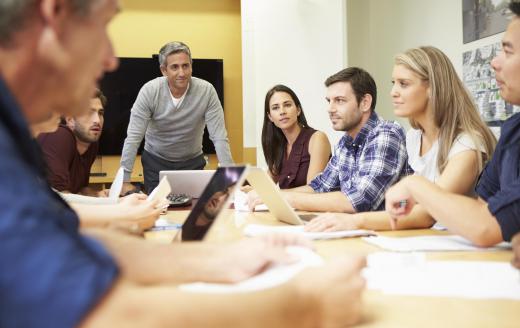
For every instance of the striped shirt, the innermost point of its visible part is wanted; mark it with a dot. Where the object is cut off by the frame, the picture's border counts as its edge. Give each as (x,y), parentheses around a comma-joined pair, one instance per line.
(364,167)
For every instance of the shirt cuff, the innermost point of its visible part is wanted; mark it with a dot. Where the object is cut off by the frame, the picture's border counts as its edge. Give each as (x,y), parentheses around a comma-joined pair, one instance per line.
(315,185)
(127,176)
(507,218)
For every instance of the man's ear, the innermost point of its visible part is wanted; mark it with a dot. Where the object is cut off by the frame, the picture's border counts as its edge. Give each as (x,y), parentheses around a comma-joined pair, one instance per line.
(53,14)
(163,70)
(71,123)
(366,102)
(51,10)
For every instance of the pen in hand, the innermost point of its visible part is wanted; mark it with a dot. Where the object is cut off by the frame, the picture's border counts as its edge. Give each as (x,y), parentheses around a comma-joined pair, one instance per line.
(402,205)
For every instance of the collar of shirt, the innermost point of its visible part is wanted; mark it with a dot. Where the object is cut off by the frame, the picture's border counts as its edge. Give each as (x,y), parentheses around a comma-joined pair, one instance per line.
(359,141)
(178,101)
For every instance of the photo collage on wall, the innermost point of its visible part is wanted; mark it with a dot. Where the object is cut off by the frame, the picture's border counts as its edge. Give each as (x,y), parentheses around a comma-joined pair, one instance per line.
(479,78)
(483,18)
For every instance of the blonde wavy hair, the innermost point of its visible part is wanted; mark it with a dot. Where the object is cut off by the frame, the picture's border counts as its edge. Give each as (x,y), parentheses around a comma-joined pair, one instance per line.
(454,111)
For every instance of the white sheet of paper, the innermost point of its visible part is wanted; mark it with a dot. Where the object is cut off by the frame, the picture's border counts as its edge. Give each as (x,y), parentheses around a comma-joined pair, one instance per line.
(160,192)
(259,229)
(117,185)
(240,203)
(273,276)
(404,274)
(113,195)
(82,199)
(429,243)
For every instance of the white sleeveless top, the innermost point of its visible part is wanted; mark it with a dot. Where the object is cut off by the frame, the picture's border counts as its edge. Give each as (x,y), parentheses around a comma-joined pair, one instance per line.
(426,165)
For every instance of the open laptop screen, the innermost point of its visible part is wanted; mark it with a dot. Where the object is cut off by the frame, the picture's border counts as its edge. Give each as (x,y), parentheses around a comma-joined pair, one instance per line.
(212,201)
(188,182)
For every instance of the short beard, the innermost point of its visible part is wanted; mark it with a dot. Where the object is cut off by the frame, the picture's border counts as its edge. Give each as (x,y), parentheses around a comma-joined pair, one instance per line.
(347,126)
(83,136)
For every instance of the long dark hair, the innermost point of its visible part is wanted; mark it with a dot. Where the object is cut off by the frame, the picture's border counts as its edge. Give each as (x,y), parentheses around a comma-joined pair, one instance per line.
(273,139)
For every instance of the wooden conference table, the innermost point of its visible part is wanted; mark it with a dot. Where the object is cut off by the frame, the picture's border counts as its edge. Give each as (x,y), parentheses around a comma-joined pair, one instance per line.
(382,310)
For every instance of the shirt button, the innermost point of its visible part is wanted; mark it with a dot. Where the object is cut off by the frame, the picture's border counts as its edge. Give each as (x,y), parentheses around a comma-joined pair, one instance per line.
(288,177)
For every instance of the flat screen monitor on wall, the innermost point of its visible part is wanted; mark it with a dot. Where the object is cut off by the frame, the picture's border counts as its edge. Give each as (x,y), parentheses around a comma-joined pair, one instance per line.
(122,86)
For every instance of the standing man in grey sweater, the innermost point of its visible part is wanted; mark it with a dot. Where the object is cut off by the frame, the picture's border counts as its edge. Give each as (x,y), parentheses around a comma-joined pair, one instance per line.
(171,111)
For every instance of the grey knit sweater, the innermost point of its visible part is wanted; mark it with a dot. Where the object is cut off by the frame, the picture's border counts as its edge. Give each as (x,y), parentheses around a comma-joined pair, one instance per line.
(175,133)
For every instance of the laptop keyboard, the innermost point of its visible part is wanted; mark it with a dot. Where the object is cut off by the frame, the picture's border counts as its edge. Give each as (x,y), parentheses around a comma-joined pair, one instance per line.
(179,200)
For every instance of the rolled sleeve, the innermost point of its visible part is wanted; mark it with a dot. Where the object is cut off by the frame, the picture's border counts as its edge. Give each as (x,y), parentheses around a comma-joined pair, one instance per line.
(502,193)
(382,166)
(508,219)
(488,182)
(505,206)
(328,180)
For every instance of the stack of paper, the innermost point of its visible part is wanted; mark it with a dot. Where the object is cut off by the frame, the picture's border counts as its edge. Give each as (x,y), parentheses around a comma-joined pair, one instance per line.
(253,230)
(429,243)
(414,275)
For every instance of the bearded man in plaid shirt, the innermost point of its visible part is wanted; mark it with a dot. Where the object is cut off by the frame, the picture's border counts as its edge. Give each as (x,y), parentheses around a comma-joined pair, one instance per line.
(368,159)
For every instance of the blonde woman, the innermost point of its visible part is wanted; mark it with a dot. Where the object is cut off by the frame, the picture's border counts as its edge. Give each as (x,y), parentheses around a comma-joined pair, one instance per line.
(448,143)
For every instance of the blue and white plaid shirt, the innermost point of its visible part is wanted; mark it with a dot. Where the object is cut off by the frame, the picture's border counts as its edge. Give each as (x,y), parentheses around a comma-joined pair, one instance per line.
(365,167)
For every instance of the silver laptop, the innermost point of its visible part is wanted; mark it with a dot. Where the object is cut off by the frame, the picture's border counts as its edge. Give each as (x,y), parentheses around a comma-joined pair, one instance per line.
(272,197)
(188,182)
(215,197)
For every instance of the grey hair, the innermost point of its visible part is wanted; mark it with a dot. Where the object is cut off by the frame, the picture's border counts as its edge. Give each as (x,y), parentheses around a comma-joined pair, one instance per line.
(15,13)
(12,17)
(173,48)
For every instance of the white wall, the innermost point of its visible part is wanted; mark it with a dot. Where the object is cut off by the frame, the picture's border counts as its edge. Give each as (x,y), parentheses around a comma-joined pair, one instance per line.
(294,42)
(301,42)
(379,29)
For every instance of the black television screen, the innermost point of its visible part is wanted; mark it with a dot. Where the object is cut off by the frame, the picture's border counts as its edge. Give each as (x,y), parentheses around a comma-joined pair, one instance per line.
(122,86)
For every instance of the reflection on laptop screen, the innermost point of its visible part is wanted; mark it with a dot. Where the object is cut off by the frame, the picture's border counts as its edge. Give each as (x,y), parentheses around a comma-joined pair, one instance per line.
(211,202)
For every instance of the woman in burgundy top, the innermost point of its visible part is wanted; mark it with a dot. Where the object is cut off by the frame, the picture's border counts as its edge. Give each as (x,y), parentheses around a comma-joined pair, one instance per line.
(295,153)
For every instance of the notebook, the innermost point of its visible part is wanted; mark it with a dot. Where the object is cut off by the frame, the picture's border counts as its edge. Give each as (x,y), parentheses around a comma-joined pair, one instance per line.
(272,197)
(188,182)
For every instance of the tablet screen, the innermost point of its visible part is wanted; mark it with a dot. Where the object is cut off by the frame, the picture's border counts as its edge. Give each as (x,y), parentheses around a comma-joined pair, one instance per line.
(211,202)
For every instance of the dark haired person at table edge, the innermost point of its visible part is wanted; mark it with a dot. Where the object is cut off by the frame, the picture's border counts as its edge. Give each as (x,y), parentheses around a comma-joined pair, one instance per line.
(294,152)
